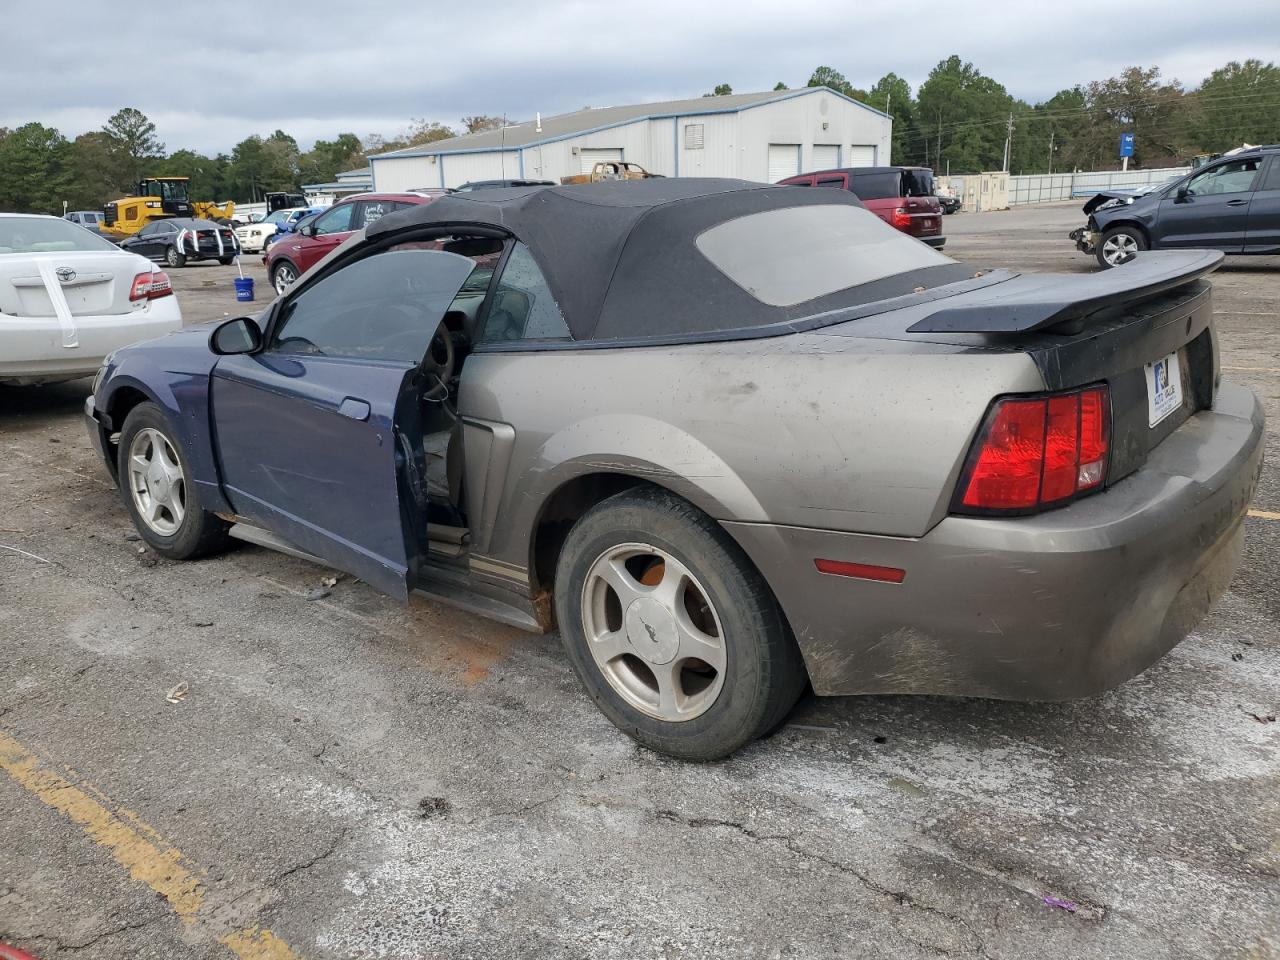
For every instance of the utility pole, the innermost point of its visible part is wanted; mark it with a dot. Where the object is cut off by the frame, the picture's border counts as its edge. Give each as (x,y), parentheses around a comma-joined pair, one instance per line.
(1008,142)
(1051,151)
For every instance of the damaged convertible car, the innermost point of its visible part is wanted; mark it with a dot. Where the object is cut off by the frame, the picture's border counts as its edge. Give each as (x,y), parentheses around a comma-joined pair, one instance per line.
(728,439)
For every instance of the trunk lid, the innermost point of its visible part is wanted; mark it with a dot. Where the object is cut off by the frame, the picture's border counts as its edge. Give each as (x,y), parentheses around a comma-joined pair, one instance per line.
(92,283)
(1140,327)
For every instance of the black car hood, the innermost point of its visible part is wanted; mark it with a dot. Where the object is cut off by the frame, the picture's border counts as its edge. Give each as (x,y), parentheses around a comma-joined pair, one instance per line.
(1104,197)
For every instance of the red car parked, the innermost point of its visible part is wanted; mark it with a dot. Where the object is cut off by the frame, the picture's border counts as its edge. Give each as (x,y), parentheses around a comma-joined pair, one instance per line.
(291,257)
(900,196)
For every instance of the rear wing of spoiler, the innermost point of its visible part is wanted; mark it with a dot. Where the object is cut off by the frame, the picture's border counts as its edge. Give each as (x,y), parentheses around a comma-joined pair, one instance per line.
(1033,301)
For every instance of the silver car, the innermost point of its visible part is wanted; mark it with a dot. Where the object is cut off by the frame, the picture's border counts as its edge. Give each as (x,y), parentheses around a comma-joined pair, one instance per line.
(728,439)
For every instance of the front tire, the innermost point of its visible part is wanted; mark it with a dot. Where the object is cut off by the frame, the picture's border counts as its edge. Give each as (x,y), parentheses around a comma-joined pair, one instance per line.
(672,631)
(283,276)
(156,485)
(173,258)
(1120,245)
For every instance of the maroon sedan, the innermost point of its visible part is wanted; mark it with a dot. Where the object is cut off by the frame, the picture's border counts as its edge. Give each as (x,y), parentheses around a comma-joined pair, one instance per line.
(292,256)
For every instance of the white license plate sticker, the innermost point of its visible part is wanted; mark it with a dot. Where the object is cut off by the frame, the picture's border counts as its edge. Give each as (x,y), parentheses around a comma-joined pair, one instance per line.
(1164,388)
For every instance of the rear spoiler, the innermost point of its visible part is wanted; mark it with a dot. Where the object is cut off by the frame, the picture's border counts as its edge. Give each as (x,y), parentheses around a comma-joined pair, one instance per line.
(1037,301)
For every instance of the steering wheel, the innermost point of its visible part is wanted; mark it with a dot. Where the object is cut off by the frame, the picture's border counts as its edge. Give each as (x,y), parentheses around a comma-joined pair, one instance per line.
(439,364)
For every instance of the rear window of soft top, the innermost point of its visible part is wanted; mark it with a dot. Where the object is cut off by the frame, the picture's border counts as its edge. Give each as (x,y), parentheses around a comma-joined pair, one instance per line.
(790,255)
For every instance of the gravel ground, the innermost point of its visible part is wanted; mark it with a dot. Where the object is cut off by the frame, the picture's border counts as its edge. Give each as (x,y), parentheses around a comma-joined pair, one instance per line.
(349,778)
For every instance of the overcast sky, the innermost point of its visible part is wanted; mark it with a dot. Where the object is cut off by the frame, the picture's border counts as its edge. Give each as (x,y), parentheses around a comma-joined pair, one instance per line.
(225,70)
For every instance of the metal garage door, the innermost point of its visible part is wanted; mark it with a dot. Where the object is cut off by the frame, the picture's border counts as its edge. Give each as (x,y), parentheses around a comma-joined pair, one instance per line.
(784,161)
(589,158)
(862,156)
(826,156)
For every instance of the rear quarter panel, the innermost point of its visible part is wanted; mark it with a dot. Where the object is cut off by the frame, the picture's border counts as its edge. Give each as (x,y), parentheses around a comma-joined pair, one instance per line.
(808,430)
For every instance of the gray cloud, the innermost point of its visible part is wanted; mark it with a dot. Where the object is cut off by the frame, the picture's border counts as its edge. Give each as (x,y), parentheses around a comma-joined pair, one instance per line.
(217,73)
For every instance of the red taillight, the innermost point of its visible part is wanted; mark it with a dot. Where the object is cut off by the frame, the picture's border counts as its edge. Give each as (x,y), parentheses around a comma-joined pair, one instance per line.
(901,218)
(1036,452)
(151,286)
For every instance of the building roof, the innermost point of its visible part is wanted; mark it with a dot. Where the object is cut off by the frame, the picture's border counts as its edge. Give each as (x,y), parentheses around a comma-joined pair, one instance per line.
(361,179)
(566,125)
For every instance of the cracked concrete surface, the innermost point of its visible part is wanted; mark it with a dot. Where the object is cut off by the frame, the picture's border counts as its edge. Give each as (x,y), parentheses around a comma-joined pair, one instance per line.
(374,781)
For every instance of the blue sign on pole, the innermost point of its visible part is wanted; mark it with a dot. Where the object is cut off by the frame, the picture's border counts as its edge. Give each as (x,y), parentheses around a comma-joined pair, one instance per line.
(1126,144)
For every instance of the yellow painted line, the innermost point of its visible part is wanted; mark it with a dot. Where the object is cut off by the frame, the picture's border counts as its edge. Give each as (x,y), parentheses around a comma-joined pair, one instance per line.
(135,845)
(257,944)
(1264,514)
(160,868)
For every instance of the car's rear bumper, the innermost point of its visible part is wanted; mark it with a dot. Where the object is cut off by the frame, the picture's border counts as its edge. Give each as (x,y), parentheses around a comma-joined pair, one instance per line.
(31,349)
(1061,605)
(936,242)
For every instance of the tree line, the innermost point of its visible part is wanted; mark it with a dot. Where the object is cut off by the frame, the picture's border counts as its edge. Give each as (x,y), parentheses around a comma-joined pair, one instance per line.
(958,120)
(40,168)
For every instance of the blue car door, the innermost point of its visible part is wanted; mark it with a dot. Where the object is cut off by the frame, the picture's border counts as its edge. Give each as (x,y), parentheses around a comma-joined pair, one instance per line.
(1264,213)
(1210,210)
(308,429)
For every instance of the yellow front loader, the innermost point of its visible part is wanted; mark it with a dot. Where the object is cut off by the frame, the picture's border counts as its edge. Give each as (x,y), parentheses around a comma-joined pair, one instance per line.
(159,198)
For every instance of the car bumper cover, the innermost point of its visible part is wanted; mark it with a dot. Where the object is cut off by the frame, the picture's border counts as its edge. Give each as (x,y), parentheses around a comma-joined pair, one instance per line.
(99,428)
(1061,605)
(31,349)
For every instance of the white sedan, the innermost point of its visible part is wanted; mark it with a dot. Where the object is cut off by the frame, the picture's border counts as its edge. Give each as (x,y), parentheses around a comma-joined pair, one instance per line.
(68,298)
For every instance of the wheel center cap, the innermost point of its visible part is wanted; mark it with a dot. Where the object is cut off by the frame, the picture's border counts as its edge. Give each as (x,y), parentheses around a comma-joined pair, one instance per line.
(651,628)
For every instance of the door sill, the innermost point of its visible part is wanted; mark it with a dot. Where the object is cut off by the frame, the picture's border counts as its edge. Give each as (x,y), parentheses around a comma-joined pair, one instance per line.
(445,585)
(265,538)
(456,595)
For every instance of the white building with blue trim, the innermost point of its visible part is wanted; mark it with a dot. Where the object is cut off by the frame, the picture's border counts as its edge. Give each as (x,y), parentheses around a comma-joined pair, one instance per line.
(749,136)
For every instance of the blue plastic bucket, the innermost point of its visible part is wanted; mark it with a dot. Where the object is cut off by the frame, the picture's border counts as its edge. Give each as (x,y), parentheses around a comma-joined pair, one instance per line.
(244,288)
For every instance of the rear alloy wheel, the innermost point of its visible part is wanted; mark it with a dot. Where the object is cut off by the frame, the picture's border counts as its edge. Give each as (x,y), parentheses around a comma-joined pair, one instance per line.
(655,636)
(673,632)
(1119,245)
(283,276)
(173,258)
(158,493)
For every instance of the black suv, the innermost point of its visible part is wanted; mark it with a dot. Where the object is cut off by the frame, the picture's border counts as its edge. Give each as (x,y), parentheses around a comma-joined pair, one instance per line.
(1231,204)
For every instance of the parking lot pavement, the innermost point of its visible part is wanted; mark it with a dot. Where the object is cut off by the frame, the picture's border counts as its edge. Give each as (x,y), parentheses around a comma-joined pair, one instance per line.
(348,778)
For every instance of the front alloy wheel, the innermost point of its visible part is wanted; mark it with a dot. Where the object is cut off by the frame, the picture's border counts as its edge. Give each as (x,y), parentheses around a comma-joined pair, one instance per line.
(156,482)
(1120,245)
(283,276)
(158,492)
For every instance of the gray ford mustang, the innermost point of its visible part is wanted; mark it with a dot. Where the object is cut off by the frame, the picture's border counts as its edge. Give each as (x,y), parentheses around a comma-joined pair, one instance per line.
(729,439)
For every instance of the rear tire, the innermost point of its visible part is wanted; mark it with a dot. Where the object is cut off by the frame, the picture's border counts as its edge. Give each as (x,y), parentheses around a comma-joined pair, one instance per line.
(173,258)
(162,501)
(226,261)
(1119,245)
(673,632)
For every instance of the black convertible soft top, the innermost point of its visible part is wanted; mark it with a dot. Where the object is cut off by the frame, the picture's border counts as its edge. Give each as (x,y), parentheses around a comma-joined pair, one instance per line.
(620,256)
